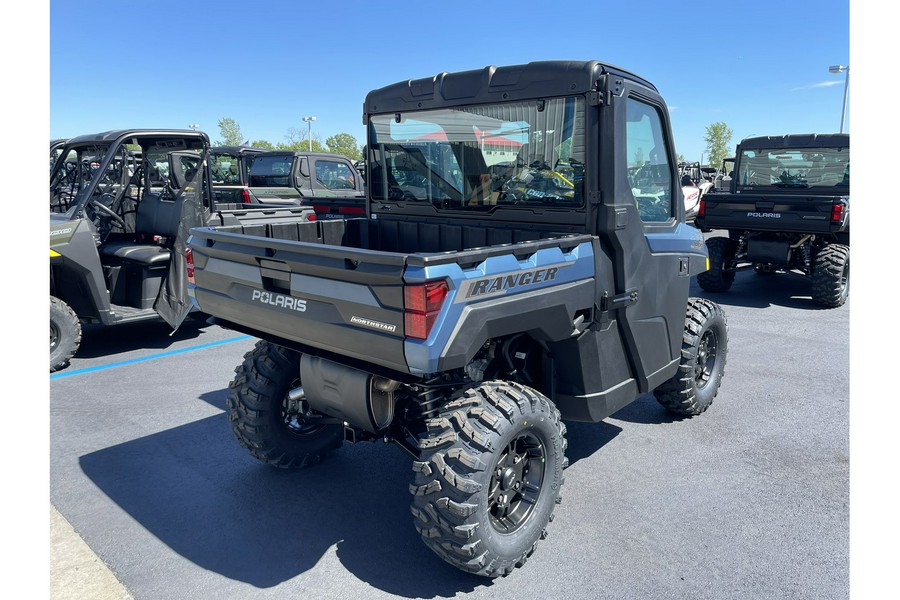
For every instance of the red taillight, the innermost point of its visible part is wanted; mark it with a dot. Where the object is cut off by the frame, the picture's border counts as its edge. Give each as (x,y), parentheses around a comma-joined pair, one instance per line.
(422,303)
(837,212)
(312,217)
(189,257)
(702,210)
(319,208)
(245,195)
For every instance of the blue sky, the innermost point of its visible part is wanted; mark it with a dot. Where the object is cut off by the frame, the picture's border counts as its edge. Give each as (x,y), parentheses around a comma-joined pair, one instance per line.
(761,67)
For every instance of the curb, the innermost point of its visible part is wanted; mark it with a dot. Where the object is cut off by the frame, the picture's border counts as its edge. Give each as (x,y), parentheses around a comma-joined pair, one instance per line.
(76,572)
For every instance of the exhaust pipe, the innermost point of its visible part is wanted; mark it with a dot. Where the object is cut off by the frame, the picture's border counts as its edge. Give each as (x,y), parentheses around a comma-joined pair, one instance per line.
(361,399)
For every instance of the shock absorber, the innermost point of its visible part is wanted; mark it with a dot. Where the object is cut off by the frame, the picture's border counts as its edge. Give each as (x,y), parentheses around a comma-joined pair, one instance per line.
(430,397)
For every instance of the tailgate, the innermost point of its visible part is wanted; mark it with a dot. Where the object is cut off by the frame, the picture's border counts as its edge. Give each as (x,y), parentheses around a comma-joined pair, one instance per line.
(227,195)
(773,212)
(336,207)
(276,195)
(343,300)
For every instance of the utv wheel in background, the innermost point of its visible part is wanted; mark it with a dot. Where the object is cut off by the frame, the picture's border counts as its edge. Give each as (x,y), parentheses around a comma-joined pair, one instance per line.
(719,277)
(65,334)
(831,276)
(703,352)
(257,409)
(489,477)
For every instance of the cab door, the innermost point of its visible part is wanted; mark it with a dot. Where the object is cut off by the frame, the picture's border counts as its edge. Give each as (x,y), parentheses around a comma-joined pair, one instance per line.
(642,219)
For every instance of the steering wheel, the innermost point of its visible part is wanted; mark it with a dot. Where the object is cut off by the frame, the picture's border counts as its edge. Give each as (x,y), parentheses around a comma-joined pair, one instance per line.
(107,213)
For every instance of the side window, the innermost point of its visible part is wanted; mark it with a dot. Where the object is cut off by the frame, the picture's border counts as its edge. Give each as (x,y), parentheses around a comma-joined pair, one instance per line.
(335,175)
(649,163)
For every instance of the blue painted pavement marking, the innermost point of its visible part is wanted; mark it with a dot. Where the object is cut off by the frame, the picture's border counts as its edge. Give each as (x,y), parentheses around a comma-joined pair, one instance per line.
(143,358)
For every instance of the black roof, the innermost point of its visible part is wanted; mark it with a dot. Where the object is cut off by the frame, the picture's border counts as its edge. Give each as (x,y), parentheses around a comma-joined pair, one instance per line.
(801,140)
(235,150)
(301,153)
(112,136)
(490,84)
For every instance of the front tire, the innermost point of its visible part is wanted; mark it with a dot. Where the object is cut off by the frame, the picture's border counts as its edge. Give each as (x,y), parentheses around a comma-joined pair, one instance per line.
(489,477)
(720,275)
(703,351)
(65,334)
(260,416)
(831,276)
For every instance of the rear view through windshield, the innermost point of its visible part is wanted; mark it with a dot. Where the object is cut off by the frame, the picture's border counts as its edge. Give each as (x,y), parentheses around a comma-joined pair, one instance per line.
(271,171)
(794,167)
(518,154)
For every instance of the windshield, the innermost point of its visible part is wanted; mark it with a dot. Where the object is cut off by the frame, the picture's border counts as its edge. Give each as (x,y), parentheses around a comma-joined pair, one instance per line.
(794,167)
(477,157)
(271,171)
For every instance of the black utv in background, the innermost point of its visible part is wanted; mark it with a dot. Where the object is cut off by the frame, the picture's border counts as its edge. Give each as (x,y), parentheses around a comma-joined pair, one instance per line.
(787,209)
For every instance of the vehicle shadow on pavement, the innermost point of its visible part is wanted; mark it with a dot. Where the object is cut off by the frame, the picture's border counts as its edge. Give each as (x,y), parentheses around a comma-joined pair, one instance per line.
(99,341)
(587,438)
(646,411)
(752,290)
(195,489)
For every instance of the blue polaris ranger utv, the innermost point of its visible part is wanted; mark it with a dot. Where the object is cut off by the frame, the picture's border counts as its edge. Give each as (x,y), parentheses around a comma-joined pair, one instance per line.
(524,260)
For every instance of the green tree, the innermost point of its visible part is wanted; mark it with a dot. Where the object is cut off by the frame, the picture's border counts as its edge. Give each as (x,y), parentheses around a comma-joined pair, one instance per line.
(263,144)
(717,138)
(344,143)
(231,133)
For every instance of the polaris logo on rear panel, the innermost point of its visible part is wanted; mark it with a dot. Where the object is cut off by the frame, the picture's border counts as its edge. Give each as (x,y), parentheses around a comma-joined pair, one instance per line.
(279,300)
(764,215)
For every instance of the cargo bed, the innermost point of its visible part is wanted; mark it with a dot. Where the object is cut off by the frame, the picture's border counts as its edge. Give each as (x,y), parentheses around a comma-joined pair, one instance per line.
(312,283)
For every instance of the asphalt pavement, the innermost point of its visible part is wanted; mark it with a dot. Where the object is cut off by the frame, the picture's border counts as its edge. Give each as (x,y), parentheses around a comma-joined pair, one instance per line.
(748,500)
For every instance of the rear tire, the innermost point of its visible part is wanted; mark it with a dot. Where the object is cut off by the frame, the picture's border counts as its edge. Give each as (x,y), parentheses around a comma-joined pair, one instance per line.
(720,275)
(258,412)
(65,334)
(703,352)
(489,477)
(831,276)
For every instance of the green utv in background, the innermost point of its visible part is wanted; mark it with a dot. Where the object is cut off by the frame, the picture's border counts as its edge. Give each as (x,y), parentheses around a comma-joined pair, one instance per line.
(329,183)
(524,259)
(121,204)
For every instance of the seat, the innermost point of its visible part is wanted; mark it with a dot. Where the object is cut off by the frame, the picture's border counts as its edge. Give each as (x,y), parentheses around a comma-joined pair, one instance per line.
(155,216)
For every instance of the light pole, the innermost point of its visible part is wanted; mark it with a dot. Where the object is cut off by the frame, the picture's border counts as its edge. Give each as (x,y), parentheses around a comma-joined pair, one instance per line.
(837,70)
(308,121)
(194,126)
